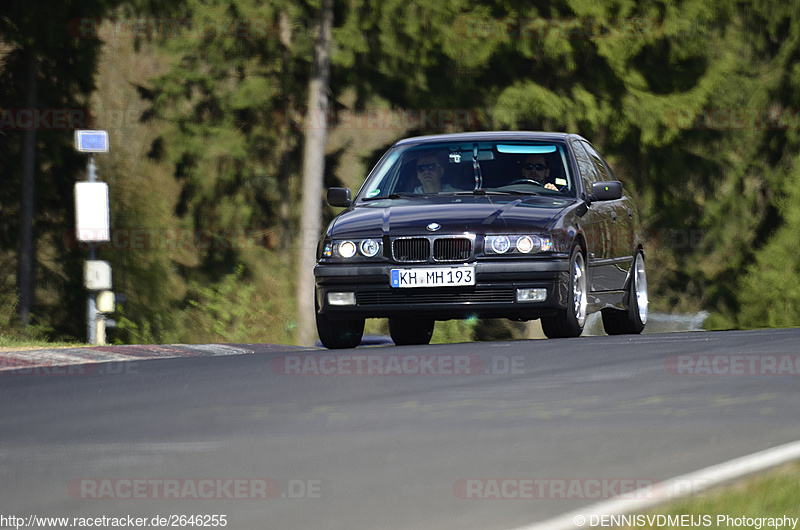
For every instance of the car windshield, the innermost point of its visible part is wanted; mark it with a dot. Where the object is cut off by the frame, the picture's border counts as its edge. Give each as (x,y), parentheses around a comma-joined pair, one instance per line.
(471,167)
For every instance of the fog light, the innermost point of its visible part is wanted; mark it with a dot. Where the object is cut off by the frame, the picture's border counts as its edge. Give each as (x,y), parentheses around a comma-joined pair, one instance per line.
(531,295)
(346,298)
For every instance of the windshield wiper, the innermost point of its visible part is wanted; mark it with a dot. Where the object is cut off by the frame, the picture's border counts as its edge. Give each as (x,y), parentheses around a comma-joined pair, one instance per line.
(484,191)
(391,196)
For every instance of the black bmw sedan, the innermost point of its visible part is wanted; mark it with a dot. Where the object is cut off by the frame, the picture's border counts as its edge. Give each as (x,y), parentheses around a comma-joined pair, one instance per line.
(518,225)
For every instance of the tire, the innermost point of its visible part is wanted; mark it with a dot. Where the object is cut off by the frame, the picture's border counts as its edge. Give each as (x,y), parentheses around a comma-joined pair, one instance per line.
(633,319)
(569,322)
(408,331)
(338,334)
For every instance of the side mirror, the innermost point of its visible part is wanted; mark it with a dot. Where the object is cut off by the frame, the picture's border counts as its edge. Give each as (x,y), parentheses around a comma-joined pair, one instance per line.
(339,197)
(607,191)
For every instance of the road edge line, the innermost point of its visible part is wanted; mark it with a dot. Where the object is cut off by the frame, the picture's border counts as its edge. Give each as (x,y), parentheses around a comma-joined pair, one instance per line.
(674,488)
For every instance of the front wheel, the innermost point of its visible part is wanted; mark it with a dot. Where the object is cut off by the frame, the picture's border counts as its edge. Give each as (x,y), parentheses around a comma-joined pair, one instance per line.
(337,334)
(569,322)
(633,319)
(408,331)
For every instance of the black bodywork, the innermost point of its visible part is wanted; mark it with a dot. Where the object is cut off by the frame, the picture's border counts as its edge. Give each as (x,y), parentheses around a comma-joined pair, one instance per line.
(591,214)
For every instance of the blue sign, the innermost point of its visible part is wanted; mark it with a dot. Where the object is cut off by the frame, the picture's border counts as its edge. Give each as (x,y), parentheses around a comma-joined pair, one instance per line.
(91,141)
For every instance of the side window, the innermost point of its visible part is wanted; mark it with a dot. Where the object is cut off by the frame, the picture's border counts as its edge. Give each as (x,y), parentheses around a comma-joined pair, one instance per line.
(598,162)
(585,166)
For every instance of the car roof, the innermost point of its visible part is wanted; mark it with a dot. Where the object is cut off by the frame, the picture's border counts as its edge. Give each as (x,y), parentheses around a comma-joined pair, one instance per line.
(488,136)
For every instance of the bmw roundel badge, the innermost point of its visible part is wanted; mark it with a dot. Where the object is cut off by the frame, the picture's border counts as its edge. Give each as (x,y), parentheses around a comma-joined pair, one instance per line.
(433,227)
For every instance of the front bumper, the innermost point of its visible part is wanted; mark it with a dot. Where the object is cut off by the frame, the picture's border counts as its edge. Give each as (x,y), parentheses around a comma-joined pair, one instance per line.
(494,294)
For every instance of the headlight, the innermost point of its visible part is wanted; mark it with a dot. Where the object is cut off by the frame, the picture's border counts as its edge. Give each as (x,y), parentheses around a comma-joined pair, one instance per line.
(500,244)
(523,244)
(347,249)
(368,248)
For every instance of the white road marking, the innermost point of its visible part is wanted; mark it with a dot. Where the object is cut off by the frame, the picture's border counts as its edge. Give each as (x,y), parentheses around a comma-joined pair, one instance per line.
(675,488)
(30,359)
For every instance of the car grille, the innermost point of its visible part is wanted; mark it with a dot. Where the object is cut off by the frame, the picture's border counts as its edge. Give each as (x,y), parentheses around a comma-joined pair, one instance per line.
(433,296)
(411,250)
(452,249)
(418,249)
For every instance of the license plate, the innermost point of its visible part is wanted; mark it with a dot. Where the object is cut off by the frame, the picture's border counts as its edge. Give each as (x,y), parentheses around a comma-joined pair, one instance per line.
(433,277)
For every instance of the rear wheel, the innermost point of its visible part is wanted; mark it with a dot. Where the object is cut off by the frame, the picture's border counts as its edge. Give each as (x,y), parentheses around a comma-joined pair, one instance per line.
(569,322)
(408,331)
(337,334)
(633,319)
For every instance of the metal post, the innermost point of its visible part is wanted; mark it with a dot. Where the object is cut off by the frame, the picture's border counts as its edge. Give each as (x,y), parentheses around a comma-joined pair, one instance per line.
(91,142)
(91,306)
(92,169)
(91,319)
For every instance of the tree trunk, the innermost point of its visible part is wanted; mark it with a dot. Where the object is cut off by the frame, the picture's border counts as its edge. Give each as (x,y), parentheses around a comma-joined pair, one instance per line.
(25,263)
(285,146)
(316,128)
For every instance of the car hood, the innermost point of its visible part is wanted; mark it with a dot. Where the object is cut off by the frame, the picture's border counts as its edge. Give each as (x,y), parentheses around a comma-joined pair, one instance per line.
(454,213)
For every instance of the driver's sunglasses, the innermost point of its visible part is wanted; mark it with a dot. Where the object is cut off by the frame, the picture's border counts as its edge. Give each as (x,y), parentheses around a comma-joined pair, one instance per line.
(427,167)
(538,167)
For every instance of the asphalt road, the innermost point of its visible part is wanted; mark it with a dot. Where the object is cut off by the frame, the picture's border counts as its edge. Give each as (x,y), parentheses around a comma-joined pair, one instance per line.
(444,436)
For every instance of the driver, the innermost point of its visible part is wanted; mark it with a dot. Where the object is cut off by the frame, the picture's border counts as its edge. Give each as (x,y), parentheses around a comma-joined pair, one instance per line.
(535,168)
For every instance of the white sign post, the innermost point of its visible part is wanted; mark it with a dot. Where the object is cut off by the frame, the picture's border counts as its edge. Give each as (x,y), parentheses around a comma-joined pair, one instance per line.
(92,224)
(92,217)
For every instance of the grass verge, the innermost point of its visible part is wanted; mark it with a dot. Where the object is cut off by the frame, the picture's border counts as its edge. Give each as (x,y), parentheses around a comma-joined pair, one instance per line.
(749,503)
(16,344)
